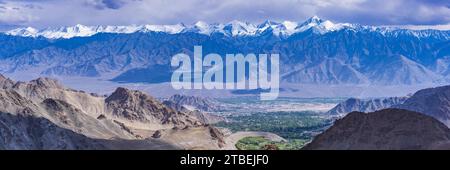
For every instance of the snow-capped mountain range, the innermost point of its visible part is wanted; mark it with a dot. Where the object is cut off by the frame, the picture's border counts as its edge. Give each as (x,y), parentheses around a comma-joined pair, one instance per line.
(316,51)
(233,28)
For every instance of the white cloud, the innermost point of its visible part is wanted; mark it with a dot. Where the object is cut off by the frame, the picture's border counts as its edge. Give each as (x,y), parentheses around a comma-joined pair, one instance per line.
(13,14)
(105,4)
(124,12)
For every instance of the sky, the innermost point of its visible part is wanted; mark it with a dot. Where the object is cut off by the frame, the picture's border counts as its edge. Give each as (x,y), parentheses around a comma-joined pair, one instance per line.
(56,13)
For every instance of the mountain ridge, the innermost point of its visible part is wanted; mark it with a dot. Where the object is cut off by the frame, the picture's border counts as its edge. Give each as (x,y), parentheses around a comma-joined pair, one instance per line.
(233,28)
(43,114)
(346,56)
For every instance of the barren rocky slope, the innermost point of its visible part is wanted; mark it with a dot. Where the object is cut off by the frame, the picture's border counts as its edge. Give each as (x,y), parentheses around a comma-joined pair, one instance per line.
(42,114)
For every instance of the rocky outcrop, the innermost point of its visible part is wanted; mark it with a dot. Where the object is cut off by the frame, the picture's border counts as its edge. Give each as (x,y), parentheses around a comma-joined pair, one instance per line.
(384,129)
(136,106)
(5,82)
(217,135)
(365,105)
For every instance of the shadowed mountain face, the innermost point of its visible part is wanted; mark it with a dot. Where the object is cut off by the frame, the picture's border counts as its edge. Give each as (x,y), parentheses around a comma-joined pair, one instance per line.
(365,105)
(312,54)
(384,129)
(434,102)
(27,132)
(42,114)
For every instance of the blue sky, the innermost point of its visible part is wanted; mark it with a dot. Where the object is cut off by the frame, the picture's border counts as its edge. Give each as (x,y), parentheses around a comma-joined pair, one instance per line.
(54,13)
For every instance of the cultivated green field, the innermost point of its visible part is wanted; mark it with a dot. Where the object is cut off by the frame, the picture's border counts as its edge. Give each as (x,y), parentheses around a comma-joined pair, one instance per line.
(297,128)
(261,143)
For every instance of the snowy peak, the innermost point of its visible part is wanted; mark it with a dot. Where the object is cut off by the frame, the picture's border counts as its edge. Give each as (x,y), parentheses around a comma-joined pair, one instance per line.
(285,28)
(312,21)
(321,26)
(27,32)
(170,29)
(309,23)
(203,28)
(238,28)
(68,32)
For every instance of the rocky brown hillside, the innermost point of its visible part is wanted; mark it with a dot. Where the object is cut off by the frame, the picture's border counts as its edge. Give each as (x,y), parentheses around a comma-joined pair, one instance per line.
(384,129)
(43,114)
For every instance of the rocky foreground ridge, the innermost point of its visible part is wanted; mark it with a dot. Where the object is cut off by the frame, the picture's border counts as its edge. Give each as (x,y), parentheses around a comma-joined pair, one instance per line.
(42,114)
